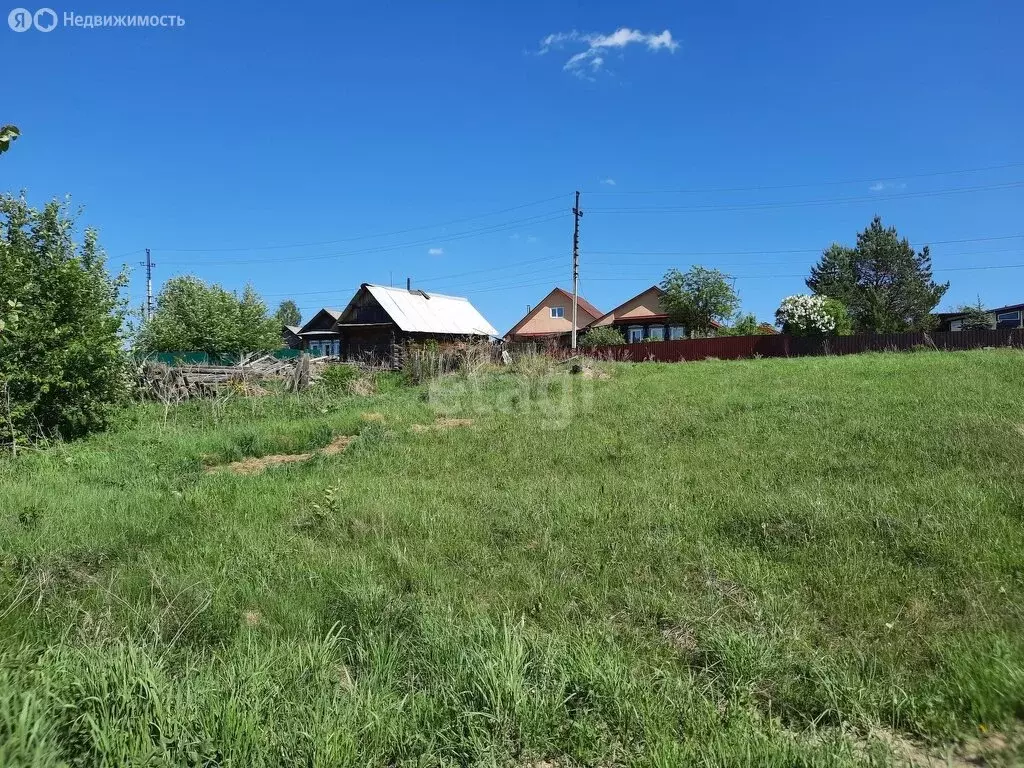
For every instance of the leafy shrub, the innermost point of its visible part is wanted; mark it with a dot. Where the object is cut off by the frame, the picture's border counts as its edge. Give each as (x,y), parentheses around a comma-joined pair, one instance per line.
(62,364)
(602,336)
(192,315)
(803,315)
(336,378)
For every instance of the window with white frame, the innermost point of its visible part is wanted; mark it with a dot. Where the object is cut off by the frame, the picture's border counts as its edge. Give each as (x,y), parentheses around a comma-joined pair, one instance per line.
(676,332)
(956,325)
(656,333)
(558,311)
(635,334)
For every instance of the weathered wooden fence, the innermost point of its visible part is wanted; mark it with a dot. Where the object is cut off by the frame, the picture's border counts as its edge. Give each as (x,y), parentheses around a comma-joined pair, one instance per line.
(739,347)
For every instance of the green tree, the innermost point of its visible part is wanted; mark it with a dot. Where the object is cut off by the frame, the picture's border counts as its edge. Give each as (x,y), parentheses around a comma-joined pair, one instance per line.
(8,134)
(62,360)
(840,315)
(193,316)
(288,313)
(602,336)
(698,299)
(744,325)
(975,318)
(886,286)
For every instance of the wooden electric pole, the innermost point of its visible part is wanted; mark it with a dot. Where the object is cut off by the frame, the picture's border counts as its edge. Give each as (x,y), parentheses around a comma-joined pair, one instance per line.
(148,263)
(576,215)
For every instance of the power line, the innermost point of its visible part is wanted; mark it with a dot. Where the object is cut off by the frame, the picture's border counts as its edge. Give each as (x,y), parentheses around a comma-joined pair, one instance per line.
(518,266)
(806,203)
(436,278)
(364,237)
(776,261)
(497,281)
(491,229)
(760,251)
(123,255)
(552,273)
(546,279)
(805,185)
(804,275)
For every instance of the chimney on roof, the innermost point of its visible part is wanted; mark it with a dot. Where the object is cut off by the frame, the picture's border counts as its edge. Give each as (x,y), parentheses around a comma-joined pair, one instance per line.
(408,283)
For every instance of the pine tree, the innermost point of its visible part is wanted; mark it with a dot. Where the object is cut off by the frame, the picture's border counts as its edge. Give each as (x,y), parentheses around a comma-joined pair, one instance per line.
(886,286)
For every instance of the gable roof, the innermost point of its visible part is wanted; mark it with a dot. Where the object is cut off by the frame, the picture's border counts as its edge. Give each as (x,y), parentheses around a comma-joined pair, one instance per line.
(334,314)
(611,312)
(656,288)
(581,303)
(421,312)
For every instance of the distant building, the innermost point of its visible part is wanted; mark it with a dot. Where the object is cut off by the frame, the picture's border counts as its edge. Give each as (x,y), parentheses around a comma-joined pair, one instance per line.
(1010,316)
(551,319)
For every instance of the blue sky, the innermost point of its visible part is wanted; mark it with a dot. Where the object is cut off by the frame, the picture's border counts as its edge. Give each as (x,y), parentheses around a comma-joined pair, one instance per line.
(309,148)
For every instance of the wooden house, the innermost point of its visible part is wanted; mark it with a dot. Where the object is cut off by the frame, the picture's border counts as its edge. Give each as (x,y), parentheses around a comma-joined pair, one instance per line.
(319,336)
(378,317)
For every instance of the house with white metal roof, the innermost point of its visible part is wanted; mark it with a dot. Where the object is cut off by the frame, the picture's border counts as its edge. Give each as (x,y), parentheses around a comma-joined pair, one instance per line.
(378,317)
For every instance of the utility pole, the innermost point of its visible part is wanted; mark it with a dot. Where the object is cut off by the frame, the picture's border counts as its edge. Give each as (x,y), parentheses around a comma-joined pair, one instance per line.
(576,215)
(148,264)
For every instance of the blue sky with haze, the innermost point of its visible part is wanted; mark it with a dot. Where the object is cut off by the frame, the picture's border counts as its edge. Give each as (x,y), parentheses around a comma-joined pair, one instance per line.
(308,148)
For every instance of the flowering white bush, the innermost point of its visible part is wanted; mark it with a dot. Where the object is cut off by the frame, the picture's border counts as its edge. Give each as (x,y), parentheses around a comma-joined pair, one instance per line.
(804,315)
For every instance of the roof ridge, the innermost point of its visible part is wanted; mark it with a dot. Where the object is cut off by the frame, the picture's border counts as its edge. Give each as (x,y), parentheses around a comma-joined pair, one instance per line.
(415,291)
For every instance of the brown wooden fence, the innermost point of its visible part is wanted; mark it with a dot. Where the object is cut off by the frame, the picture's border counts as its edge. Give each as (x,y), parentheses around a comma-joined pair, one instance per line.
(739,347)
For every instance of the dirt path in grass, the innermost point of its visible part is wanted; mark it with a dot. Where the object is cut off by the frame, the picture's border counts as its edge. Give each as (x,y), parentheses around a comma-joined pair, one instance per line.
(256,464)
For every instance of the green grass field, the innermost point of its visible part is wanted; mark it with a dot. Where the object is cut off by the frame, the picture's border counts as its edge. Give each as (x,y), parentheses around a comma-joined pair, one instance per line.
(764,563)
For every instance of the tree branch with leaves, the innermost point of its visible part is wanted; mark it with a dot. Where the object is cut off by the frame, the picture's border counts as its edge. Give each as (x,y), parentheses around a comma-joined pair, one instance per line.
(699,299)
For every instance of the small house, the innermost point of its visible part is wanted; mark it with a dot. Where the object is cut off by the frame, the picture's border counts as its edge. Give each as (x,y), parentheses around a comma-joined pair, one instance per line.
(551,319)
(378,317)
(290,336)
(1010,316)
(643,318)
(319,336)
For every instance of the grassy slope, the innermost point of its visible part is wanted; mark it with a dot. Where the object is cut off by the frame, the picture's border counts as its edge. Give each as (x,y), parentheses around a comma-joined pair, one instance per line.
(706,561)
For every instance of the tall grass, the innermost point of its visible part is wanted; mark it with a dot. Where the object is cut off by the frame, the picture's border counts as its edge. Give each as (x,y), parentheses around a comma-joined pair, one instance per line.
(726,563)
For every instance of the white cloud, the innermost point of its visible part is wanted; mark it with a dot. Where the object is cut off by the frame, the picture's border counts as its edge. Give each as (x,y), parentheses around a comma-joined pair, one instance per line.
(882,186)
(436,251)
(592,59)
(609,182)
